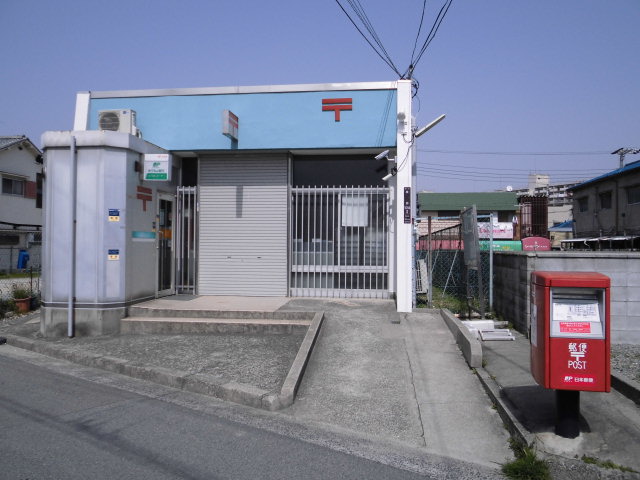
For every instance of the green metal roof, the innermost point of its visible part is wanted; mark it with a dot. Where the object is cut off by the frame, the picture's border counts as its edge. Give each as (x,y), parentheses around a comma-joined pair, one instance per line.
(494,201)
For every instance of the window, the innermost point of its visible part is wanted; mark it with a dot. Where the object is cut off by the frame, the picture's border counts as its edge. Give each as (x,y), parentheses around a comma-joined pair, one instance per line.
(13,186)
(39,180)
(605,200)
(9,239)
(633,195)
(583,204)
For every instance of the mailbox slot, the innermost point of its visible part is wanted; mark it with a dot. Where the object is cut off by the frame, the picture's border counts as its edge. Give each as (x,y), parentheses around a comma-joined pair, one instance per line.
(578,313)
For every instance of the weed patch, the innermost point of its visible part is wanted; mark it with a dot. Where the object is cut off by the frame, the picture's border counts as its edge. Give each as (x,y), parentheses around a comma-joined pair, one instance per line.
(526,466)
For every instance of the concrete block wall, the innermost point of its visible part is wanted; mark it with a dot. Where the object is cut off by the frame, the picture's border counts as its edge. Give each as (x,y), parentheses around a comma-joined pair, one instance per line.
(512,271)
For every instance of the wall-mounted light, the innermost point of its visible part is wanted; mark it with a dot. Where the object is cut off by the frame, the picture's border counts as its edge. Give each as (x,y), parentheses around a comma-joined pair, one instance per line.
(428,127)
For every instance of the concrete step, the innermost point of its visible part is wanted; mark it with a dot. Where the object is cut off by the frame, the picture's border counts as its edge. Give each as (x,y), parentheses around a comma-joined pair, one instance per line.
(186,325)
(158,312)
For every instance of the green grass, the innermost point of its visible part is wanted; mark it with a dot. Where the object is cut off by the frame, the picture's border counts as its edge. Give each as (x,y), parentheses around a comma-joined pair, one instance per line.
(526,466)
(444,300)
(18,275)
(606,464)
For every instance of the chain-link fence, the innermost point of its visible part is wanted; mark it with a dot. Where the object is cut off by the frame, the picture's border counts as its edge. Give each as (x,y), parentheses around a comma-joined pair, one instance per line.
(20,271)
(442,279)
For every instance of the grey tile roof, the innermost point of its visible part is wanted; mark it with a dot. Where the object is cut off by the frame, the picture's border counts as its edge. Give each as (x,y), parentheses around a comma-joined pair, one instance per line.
(9,141)
(6,142)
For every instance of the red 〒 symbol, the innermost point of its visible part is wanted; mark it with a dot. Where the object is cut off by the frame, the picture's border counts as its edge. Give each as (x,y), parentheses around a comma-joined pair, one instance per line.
(146,195)
(336,105)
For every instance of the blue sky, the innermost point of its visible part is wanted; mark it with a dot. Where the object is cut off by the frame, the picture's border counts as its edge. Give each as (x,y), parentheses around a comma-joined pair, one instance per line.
(513,76)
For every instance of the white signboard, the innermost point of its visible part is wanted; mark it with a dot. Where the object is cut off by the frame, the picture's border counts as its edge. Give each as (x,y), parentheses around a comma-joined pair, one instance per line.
(501,230)
(157,167)
(230,124)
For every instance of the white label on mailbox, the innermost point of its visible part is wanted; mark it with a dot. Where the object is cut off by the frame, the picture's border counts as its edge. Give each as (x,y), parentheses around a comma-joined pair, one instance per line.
(576,318)
(578,312)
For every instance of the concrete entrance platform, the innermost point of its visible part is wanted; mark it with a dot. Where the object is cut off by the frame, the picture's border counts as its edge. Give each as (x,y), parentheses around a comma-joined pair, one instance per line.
(216,303)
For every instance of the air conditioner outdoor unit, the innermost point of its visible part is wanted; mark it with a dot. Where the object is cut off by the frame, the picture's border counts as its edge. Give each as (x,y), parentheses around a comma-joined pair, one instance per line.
(118,121)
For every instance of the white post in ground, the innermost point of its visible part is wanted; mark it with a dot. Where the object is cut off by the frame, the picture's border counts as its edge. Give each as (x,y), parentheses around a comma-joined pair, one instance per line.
(405,200)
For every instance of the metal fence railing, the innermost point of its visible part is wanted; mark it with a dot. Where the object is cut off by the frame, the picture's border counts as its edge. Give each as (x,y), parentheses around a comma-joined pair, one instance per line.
(339,242)
(442,279)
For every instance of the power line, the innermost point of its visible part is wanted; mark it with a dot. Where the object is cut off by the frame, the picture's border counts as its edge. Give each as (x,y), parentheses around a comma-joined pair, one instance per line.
(530,170)
(472,152)
(496,179)
(415,44)
(432,34)
(357,7)
(565,178)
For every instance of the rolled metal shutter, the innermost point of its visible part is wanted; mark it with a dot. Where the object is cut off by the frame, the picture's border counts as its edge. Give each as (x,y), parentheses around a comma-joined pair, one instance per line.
(243,225)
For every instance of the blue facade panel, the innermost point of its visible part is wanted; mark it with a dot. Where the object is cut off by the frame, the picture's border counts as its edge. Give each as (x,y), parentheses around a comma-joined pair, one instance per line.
(293,120)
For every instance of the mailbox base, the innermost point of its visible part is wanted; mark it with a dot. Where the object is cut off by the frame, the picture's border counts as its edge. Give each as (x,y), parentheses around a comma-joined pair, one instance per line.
(568,413)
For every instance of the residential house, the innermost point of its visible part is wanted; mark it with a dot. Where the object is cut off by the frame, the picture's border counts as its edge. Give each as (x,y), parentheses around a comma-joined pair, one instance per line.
(443,207)
(20,204)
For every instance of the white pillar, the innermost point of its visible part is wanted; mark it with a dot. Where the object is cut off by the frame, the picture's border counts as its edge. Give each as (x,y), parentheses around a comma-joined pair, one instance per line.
(404,217)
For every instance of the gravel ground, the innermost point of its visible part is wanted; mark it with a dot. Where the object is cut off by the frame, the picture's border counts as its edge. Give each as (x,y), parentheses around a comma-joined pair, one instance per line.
(626,360)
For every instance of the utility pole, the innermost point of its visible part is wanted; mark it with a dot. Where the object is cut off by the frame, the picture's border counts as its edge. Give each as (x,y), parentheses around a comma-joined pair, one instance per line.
(404,194)
(623,151)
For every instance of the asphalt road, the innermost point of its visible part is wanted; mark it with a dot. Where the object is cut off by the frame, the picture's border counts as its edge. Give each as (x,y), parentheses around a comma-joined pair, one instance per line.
(54,425)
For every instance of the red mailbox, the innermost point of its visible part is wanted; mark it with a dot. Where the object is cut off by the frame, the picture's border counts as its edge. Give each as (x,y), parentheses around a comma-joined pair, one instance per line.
(570,343)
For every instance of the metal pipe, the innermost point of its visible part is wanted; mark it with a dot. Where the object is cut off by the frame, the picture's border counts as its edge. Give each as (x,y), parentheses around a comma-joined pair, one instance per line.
(491,262)
(72,267)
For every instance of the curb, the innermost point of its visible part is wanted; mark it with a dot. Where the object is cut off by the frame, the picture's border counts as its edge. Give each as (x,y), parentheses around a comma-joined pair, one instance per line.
(469,345)
(515,428)
(626,386)
(193,382)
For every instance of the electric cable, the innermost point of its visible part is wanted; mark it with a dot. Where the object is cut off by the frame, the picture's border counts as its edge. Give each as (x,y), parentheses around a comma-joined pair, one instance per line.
(566,178)
(467,168)
(364,19)
(415,44)
(432,33)
(474,152)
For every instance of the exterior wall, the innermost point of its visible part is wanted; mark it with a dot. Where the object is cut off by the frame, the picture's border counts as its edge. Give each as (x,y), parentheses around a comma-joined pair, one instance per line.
(269,117)
(13,208)
(106,180)
(620,219)
(512,272)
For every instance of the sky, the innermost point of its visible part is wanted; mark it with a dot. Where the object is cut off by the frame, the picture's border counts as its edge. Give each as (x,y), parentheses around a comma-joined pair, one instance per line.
(528,86)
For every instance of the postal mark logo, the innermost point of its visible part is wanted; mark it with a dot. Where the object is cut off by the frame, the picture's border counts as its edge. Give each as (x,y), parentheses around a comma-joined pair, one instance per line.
(578,352)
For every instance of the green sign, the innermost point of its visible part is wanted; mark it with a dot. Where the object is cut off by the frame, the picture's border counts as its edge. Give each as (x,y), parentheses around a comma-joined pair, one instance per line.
(502,245)
(157,166)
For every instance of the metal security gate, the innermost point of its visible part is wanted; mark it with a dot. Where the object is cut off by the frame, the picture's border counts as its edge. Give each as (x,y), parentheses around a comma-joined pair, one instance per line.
(186,239)
(339,242)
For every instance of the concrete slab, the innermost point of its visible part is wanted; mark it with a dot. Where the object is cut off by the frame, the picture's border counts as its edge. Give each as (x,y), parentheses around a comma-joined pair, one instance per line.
(397,379)
(458,418)
(610,422)
(407,382)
